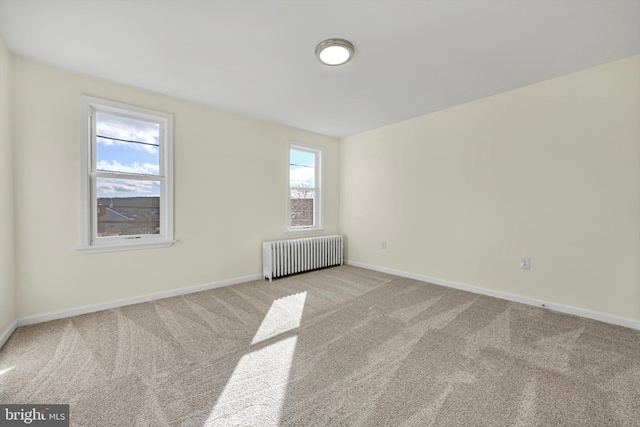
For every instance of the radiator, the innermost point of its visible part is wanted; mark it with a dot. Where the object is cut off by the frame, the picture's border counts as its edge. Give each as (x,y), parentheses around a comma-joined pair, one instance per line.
(283,257)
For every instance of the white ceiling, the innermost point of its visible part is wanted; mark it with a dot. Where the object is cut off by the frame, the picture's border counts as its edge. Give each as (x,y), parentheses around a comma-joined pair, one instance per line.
(257,58)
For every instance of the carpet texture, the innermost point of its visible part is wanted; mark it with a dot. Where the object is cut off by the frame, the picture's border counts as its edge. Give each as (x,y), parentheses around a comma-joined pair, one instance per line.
(339,346)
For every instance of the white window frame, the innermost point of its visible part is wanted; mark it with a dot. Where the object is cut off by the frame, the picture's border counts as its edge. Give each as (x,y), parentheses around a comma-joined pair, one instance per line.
(318,209)
(89,242)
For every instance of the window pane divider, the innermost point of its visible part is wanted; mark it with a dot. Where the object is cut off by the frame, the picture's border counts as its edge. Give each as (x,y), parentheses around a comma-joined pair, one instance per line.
(124,175)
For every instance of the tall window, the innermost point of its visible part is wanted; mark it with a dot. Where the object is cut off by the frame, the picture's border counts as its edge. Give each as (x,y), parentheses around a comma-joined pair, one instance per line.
(127,188)
(304,191)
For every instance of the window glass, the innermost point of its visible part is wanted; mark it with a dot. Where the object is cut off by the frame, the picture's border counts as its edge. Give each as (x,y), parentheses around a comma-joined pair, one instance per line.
(302,169)
(302,208)
(127,207)
(127,145)
(304,192)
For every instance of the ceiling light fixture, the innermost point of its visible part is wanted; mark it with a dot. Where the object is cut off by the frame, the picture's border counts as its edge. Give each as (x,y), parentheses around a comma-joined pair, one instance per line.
(334,51)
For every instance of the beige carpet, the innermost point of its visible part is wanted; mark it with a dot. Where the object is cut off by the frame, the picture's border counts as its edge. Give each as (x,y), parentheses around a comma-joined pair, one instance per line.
(340,346)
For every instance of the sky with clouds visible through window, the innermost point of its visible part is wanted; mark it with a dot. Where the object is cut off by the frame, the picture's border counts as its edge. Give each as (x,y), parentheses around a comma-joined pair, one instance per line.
(139,157)
(301,168)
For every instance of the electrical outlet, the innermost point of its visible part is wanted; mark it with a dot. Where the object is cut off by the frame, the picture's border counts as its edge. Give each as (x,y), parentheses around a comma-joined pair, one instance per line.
(525,263)
(383,245)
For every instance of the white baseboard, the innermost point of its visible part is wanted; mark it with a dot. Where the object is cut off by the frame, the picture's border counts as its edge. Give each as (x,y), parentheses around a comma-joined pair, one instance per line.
(7,332)
(603,317)
(39,318)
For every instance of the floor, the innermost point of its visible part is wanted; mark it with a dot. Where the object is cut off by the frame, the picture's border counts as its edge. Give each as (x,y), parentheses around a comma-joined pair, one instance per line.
(338,346)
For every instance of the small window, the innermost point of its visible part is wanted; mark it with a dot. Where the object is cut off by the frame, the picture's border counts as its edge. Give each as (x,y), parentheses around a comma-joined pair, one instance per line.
(304,192)
(127,188)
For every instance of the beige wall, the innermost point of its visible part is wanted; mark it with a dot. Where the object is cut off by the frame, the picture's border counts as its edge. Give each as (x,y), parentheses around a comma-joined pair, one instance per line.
(230,177)
(7,278)
(550,171)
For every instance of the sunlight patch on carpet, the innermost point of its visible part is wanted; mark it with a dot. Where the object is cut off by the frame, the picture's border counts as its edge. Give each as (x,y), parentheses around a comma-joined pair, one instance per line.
(284,315)
(256,390)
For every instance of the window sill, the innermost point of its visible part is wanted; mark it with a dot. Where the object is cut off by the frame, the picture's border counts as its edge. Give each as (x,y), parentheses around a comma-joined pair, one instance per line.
(120,248)
(305,231)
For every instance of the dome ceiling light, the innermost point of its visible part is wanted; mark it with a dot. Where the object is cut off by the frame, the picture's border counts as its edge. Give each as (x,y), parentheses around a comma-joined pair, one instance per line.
(334,51)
